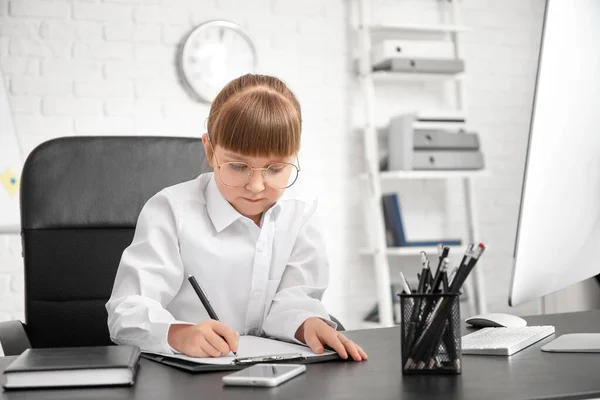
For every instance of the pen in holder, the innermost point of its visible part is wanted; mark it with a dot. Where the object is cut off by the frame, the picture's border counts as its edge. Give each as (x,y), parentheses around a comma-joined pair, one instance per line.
(430,333)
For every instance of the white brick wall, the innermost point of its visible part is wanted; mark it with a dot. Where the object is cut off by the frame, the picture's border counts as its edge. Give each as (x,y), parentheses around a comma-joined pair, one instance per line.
(73,69)
(102,89)
(22,66)
(50,48)
(82,67)
(71,106)
(40,86)
(66,30)
(103,50)
(38,9)
(102,12)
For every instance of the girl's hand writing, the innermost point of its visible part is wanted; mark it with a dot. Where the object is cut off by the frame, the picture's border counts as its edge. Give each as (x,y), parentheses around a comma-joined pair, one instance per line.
(207,339)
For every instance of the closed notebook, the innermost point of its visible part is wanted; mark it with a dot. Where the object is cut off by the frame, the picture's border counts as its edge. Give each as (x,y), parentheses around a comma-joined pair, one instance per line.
(73,366)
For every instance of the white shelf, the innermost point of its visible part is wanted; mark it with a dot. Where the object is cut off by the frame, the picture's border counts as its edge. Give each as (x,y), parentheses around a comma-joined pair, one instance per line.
(410,251)
(439,125)
(441,114)
(442,174)
(416,28)
(390,176)
(388,76)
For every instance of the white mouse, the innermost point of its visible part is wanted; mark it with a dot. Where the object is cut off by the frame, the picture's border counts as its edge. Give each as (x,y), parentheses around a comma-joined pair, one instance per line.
(496,320)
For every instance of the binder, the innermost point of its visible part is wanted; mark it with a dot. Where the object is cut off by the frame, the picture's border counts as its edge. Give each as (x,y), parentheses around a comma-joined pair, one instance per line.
(422,65)
(443,140)
(396,48)
(450,160)
(400,142)
(394,227)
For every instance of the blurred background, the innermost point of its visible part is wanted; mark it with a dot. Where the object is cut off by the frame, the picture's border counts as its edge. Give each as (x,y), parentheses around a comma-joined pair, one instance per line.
(118,67)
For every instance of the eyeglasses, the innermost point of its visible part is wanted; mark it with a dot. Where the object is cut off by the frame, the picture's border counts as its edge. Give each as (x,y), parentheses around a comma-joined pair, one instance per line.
(237,174)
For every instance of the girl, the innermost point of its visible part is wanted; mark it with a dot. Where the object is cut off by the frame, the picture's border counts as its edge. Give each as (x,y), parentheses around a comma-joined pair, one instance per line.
(247,232)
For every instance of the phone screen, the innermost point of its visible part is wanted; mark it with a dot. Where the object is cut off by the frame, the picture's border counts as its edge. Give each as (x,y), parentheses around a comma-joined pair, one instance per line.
(265,371)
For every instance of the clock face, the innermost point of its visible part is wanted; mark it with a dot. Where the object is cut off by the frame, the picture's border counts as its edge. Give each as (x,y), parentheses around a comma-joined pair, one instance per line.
(215,53)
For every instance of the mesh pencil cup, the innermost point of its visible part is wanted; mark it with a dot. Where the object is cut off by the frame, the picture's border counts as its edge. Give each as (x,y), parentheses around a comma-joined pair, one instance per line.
(430,333)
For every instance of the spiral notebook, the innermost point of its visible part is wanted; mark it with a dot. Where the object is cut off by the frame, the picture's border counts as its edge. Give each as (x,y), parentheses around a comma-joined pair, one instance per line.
(251,350)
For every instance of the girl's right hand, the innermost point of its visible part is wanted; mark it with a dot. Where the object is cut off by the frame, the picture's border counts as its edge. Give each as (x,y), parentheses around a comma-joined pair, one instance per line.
(209,338)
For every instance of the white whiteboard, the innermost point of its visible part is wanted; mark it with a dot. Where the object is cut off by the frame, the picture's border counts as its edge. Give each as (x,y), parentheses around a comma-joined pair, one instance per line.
(10,167)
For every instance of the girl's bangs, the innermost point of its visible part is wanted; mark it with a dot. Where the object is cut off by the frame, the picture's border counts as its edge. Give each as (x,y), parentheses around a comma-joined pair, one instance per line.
(258,123)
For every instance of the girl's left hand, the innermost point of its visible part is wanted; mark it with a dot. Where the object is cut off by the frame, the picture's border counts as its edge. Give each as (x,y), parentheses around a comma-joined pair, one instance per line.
(316,334)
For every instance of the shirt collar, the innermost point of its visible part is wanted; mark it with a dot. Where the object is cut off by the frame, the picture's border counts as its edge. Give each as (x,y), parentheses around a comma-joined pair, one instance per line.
(221,213)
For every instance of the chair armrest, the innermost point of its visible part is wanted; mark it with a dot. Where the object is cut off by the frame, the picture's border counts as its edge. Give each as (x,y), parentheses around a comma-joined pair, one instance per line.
(13,338)
(340,327)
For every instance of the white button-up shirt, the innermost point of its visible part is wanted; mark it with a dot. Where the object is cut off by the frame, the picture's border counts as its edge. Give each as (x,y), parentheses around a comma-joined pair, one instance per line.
(259,280)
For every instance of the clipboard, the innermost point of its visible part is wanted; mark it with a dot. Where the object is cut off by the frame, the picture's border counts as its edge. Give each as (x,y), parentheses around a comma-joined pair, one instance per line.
(190,366)
(252,350)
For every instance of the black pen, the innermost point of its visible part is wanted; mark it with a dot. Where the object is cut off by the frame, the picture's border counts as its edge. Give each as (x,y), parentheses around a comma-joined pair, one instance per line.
(467,255)
(437,281)
(445,284)
(464,272)
(416,315)
(426,275)
(405,284)
(452,274)
(443,252)
(211,312)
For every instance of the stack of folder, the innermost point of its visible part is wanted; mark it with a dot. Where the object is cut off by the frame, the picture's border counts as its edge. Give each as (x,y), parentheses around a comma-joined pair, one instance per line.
(412,148)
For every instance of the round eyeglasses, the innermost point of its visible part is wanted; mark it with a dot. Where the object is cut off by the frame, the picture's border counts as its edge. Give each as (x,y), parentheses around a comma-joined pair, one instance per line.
(237,173)
(277,176)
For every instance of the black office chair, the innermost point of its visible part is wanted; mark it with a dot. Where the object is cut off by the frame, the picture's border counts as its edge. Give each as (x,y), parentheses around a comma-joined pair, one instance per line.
(80,200)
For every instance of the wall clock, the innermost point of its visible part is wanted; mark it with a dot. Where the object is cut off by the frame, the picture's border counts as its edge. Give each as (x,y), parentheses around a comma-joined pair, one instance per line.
(213,54)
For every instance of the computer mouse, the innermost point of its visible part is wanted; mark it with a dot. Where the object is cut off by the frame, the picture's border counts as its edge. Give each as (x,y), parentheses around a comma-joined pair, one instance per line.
(496,320)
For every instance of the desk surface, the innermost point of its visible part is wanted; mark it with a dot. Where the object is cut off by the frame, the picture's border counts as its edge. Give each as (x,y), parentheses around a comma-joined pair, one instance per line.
(530,373)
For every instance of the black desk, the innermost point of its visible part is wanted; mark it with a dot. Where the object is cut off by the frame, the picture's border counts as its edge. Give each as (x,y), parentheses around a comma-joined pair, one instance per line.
(530,373)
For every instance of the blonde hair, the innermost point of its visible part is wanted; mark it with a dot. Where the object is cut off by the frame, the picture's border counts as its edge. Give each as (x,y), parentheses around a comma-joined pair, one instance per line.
(256,115)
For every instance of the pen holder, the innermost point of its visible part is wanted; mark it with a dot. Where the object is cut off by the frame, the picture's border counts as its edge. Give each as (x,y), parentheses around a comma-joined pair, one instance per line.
(430,333)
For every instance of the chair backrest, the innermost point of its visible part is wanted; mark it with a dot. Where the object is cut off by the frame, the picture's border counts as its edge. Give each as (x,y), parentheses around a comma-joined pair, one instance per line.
(80,200)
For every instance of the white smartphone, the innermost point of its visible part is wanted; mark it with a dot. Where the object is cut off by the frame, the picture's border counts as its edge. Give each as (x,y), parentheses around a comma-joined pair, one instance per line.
(268,375)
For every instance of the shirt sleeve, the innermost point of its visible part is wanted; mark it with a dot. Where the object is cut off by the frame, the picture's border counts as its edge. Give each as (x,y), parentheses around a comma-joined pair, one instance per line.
(304,280)
(149,276)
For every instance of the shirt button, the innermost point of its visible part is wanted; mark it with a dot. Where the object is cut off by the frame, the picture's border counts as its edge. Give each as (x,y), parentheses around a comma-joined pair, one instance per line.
(256,294)
(260,246)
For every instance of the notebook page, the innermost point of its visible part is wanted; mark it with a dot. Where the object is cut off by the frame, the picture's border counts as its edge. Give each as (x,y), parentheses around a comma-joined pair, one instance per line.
(252,346)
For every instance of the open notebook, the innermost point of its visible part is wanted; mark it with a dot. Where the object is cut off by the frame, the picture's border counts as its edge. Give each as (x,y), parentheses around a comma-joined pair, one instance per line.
(251,350)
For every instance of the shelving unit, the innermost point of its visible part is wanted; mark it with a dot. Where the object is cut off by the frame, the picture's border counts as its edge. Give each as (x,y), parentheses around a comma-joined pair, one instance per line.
(378,249)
